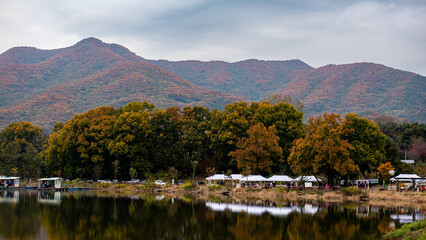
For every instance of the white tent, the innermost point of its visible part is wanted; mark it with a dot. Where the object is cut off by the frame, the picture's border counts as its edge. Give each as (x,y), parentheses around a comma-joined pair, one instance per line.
(280,178)
(223,177)
(217,177)
(406,176)
(308,179)
(236,176)
(253,178)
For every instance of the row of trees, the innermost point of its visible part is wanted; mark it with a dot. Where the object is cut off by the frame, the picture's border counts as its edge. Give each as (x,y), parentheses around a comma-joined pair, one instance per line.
(139,139)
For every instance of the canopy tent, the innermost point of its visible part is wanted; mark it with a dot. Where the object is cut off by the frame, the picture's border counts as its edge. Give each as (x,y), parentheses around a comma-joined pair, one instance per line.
(281,178)
(217,177)
(223,177)
(236,176)
(406,176)
(253,178)
(408,180)
(308,179)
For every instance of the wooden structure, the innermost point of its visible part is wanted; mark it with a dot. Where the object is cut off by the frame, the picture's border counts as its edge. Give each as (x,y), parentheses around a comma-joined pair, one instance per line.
(9,182)
(53,183)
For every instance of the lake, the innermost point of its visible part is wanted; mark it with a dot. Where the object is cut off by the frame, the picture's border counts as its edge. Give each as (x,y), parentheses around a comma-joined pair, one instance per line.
(90,215)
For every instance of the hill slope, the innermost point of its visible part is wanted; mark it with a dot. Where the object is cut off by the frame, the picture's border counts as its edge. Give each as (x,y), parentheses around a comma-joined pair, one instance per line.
(364,88)
(250,79)
(46,86)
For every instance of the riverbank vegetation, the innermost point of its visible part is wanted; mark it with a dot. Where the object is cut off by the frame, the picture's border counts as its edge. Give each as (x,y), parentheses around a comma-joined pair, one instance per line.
(139,140)
(415,230)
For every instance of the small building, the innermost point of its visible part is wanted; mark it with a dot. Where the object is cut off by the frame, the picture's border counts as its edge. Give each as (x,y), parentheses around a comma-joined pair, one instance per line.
(9,196)
(53,182)
(49,197)
(9,181)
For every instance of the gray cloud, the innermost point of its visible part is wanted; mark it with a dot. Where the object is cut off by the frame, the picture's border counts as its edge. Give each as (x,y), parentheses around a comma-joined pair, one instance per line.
(317,32)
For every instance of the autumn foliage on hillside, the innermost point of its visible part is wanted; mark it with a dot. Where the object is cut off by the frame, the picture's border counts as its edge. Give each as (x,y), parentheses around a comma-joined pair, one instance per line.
(364,88)
(47,86)
(250,79)
(54,85)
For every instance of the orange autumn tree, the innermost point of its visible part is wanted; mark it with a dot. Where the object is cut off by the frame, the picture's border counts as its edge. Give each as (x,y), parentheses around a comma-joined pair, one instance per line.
(259,151)
(323,151)
(384,169)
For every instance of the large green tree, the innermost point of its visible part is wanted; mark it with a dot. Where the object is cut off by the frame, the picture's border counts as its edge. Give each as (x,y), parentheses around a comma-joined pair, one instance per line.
(367,140)
(130,141)
(288,124)
(20,147)
(227,127)
(82,145)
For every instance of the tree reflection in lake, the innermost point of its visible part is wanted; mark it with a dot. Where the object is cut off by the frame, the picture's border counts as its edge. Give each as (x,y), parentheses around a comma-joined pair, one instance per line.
(19,216)
(90,216)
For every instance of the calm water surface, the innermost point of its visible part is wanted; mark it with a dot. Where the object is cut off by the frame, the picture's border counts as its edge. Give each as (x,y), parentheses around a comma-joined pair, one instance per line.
(87,215)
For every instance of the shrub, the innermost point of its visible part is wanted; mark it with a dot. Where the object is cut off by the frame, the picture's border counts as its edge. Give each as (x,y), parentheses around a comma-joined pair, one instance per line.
(187,186)
(349,191)
(214,187)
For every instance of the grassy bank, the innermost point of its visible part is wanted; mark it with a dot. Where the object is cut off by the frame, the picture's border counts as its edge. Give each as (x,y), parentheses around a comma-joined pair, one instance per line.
(385,198)
(413,231)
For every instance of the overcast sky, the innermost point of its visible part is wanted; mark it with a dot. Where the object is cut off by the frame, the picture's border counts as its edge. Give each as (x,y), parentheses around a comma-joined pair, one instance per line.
(318,32)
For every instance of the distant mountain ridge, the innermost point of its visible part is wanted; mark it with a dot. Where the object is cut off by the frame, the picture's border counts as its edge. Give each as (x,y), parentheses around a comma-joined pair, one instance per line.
(251,79)
(364,88)
(46,86)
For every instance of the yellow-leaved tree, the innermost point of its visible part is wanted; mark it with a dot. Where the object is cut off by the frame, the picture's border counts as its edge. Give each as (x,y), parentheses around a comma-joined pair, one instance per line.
(323,151)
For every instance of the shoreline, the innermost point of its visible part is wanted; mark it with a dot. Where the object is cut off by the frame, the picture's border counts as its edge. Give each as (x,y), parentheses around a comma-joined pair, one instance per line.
(383,198)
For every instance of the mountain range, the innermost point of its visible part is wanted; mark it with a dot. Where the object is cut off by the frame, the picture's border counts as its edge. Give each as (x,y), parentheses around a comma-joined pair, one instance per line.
(47,86)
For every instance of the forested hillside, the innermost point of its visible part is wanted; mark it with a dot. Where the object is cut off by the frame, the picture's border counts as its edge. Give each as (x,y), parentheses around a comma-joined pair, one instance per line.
(47,86)
(364,88)
(250,79)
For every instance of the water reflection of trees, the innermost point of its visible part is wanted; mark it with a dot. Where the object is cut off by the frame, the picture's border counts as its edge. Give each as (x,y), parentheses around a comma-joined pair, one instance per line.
(88,217)
(19,220)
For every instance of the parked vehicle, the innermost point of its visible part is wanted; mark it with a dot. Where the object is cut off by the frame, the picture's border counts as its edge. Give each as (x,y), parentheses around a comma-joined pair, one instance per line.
(179,182)
(134,181)
(105,181)
(160,182)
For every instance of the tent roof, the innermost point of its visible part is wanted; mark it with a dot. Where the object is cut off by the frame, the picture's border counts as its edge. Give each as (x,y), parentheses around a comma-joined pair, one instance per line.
(308,179)
(50,179)
(236,176)
(254,178)
(8,178)
(217,177)
(223,177)
(281,178)
(407,176)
